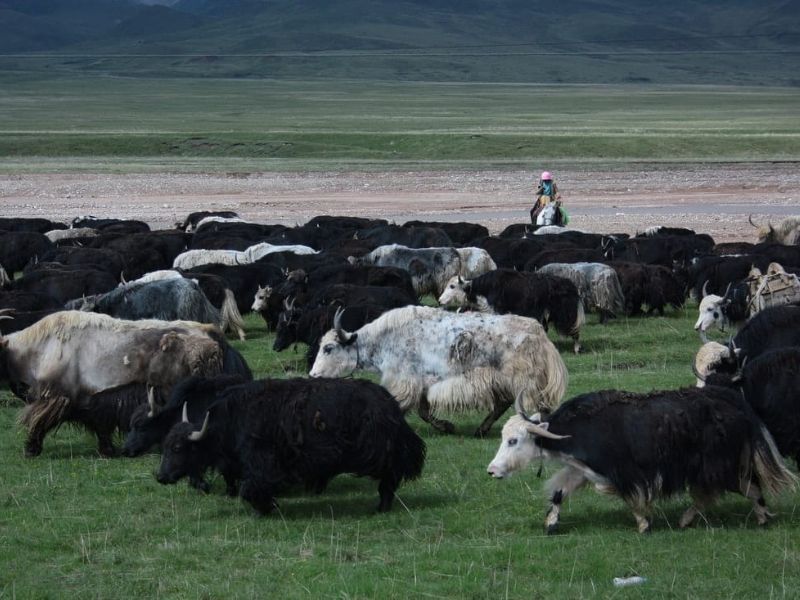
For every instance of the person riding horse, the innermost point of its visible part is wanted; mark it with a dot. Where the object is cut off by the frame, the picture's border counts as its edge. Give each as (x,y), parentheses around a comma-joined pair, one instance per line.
(547,193)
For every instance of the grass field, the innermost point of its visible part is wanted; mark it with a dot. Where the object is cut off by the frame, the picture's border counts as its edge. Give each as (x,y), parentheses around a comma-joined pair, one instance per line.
(75,525)
(208,124)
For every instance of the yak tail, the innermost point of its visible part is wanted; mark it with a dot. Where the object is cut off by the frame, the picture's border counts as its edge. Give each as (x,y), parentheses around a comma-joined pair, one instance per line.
(45,413)
(231,317)
(610,294)
(580,318)
(409,453)
(773,475)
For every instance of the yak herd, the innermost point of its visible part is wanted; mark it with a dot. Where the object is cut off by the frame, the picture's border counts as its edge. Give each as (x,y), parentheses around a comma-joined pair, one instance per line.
(110,325)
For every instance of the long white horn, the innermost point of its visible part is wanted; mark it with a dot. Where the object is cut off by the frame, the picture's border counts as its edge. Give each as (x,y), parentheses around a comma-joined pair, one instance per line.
(185,416)
(151,401)
(531,425)
(196,436)
(705,288)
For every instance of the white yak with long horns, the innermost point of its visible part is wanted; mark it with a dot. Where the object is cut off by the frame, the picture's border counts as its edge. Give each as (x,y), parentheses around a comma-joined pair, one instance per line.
(440,362)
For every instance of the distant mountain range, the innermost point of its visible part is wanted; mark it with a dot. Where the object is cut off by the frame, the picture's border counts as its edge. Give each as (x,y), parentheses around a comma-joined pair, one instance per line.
(600,41)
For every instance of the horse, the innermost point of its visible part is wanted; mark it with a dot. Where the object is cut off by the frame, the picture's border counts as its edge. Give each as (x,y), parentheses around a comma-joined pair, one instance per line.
(549,215)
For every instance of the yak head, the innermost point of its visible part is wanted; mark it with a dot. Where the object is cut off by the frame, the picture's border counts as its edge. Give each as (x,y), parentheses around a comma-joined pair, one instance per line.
(183,353)
(286,329)
(261,298)
(338,351)
(714,357)
(182,456)
(455,292)
(711,313)
(149,424)
(766,233)
(518,447)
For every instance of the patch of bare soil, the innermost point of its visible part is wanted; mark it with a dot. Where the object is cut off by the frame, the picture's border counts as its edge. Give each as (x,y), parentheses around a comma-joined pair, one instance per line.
(713,199)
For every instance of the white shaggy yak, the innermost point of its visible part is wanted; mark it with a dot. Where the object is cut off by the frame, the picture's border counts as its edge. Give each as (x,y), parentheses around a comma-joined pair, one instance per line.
(159,275)
(475,262)
(56,235)
(194,258)
(597,284)
(209,220)
(441,362)
(253,253)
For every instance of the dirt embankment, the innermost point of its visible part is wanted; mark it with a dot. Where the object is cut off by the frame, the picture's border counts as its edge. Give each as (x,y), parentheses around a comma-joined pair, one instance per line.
(714,199)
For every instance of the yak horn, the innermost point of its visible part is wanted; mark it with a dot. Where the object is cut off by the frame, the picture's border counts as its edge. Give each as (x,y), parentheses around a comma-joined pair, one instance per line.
(185,416)
(697,373)
(532,426)
(151,401)
(705,288)
(7,313)
(343,336)
(122,277)
(750,220)
(196,436)
(337,324)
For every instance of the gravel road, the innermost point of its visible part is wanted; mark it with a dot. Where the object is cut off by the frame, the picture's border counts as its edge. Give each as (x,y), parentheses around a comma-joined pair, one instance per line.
(716,199)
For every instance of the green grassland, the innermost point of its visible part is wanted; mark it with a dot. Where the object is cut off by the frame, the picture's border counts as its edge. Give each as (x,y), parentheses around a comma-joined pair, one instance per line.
(118,124)
(75,525)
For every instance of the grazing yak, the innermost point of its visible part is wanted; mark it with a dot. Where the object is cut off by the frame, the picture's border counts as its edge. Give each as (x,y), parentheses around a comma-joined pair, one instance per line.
(598,286)
(430,268)
(646,446)
(168,300)
(546,298)
(273,433)
(67,356)
(769,384)
(769,329)
(437,361)
(787,232)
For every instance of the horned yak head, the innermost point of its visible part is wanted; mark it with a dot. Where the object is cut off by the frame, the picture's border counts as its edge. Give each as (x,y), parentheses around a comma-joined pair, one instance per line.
(786,232)
(518,447)
(338,351)
(455,292)
(179,458)
(714,357)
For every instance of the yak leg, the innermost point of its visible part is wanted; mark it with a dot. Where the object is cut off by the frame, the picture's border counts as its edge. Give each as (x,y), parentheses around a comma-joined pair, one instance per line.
(699,502)
(386,488)
(576,343)
(198,483)
(641,512)
(258,495)
(563,483)
(424,411)
(501,404)
(105,444)
(753,492)
(33,445)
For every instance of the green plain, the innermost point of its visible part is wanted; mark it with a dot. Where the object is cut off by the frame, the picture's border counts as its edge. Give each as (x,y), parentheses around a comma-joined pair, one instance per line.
(118,124)
(74,525)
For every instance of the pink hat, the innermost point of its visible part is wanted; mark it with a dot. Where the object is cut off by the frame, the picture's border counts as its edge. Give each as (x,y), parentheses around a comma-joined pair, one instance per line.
(546,175)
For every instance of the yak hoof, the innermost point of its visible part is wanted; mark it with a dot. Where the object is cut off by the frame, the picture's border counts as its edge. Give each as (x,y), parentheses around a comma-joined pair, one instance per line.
(33,450)
(447,427)
(552,529)
(108,451)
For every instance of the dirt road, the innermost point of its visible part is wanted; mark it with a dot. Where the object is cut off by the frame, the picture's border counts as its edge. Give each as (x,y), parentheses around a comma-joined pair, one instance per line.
(715,199)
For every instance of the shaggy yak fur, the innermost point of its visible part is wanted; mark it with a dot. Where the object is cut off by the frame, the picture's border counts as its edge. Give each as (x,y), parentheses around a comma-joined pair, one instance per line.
(272,433)
(68,356)
(437,361)
(646,446)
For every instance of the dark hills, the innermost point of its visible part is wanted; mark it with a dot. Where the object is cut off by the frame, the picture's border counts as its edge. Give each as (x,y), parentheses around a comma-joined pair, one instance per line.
(601,41)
